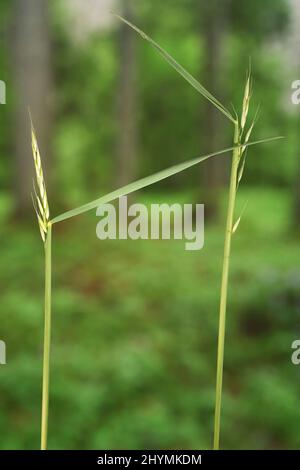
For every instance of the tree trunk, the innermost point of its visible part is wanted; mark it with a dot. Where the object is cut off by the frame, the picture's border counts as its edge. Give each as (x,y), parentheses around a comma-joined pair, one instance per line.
(127,125)
(32,76)
(215,171)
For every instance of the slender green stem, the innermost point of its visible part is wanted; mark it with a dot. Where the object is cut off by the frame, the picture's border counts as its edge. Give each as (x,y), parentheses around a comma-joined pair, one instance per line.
(47,338)
(224,287)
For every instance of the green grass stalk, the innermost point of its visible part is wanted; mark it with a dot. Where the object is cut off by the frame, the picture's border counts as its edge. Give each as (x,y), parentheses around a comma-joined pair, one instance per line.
(224,286)
(47,339)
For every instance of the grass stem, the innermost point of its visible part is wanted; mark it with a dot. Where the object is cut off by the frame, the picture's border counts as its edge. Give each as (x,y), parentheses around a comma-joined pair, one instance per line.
(47,338)
(224,286)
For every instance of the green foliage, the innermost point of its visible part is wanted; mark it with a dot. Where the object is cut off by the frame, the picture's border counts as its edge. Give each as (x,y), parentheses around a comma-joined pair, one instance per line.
(265,18)
(87,82)
(134,328)
(134,347)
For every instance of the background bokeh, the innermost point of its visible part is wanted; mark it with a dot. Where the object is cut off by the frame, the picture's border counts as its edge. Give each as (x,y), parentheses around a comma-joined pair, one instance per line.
(135,322)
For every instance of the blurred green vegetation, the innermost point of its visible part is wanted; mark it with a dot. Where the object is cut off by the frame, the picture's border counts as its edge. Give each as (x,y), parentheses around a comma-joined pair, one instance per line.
(170,118)
(134,334)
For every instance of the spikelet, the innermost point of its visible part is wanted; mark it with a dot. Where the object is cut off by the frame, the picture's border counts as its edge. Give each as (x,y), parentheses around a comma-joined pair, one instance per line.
(245,138)
(246,101)
(237,223)
(249,132)
(39,198)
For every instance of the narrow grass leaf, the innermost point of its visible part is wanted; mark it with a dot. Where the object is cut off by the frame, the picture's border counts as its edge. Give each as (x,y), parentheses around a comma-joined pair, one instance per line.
(184,73)
(147,181)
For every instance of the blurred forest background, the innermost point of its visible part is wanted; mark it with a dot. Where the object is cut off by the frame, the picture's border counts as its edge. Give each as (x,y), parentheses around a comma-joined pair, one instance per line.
(135,323)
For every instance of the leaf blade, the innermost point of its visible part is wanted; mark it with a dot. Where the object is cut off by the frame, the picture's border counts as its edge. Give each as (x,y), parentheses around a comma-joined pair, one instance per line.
(181,70)
(144,182)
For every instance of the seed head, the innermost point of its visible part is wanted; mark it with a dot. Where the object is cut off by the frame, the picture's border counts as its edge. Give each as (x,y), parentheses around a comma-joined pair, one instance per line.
(246,101)
(39,196)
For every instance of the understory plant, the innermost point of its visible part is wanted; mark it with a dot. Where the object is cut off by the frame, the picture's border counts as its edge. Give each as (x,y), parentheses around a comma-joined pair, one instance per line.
(241,135)
(41,206)
(40,203)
